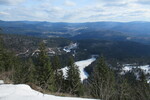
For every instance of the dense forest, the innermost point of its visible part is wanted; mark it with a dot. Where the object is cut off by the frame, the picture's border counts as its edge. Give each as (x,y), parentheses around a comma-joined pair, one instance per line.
(42,72)
(124,51)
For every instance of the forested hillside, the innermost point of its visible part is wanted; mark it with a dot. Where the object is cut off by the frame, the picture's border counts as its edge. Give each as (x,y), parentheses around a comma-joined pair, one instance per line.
(40,63)
(115,49)
(27,46)
(132,31)
(23,42)
(43,72)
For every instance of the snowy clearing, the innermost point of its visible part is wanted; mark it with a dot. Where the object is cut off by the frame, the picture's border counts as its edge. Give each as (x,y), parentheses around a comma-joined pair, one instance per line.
(70,47)
(81,64)
(24,92)
(130,67)
(144,68)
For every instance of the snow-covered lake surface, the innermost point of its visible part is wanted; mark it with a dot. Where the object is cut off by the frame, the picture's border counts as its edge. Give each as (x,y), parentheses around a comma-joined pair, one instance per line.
(82,64)
(24,92)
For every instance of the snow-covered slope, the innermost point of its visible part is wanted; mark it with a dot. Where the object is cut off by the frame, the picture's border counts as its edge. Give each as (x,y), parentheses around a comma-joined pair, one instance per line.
(82,64)
(24,92)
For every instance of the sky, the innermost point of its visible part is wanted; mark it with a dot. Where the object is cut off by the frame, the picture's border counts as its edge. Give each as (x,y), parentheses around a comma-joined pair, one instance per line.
(75,10)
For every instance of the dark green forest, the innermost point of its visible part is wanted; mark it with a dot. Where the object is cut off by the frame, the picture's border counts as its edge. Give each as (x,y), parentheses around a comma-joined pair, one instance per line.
(105,82)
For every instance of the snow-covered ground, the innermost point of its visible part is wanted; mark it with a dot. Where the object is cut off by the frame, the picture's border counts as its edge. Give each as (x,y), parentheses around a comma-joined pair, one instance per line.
(23,53)
(70,47)
(24,92)
(130,67)
(1,82)
(144,68)
(82,64)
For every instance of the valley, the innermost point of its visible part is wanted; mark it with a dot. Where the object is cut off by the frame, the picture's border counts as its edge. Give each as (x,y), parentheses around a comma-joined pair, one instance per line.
(75,50)
(70,58)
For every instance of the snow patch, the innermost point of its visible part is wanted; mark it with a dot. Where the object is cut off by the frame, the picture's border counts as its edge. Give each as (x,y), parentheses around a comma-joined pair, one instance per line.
(24,92)
(130,67)
(1,82)
(51,51)
(144,68)
(23,53)
(82,65)
(70,47)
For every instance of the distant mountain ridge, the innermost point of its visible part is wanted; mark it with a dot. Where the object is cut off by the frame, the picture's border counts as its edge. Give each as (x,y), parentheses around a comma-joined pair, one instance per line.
(132,31)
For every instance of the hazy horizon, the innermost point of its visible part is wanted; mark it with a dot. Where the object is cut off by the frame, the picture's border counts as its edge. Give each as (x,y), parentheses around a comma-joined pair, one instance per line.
(76,22)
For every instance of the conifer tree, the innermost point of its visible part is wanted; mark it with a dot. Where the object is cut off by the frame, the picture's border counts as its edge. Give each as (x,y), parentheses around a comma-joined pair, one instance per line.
(59,78)
(31,78)
(6,58)
(1,42)
(73,78)
(101,82)
(1,55)
(20,75)
(123,90)
(143,88)
(56,63)
(59,81)
(45,74)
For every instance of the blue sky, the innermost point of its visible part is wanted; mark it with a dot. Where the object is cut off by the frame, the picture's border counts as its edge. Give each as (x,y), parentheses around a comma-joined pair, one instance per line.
(75,10)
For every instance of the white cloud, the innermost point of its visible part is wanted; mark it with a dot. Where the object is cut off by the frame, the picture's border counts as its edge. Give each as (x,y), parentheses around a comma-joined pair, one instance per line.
(10,2)
(56,11)
(145,2)
(4,13)
(69,3)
